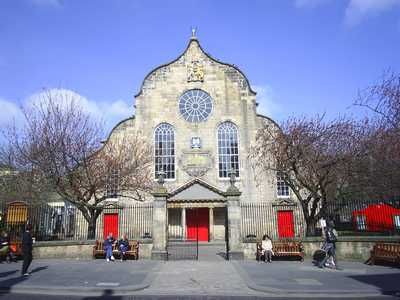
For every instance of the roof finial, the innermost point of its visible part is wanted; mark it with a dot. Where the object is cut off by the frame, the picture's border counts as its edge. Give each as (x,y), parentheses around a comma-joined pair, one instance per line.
(193,37)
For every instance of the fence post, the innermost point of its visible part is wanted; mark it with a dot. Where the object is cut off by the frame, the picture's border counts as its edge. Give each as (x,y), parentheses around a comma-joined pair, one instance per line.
(159,251)
(234,222)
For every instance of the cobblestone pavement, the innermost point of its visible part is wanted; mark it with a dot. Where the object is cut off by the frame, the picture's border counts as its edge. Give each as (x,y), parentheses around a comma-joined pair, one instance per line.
(198,278)
(73,276)
(195,279)
(290,277)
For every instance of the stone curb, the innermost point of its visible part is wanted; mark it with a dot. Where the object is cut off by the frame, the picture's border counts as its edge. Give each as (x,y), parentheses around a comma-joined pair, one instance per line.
(51,290)
(311,293)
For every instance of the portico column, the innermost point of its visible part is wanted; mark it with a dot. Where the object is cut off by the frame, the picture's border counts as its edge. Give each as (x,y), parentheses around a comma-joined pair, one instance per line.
(159,251)
(234,222)
(211,221)
(183,222)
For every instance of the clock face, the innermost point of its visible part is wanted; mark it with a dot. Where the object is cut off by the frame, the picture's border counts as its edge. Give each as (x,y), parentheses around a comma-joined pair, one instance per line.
(195,105)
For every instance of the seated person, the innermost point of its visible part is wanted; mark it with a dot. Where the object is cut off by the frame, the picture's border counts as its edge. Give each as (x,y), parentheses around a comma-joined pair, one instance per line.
(123,246)
(108,245)
(266,248)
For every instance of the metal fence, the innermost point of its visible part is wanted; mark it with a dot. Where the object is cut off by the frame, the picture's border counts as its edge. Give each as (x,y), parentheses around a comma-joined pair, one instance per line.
(263,218)
(365,217)
(356,217)
(63,221)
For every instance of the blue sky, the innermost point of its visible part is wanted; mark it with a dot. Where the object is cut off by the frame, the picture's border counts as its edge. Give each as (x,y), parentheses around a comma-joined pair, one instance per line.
(303,56)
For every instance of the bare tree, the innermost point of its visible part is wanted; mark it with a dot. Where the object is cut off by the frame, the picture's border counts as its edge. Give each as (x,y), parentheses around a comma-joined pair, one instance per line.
(311,154)
(62,144)
(379,173)
(19,184)
(383,99)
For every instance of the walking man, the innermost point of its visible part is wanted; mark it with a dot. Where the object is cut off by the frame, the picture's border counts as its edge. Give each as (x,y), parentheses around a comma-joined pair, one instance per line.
(27,249)
(330,245)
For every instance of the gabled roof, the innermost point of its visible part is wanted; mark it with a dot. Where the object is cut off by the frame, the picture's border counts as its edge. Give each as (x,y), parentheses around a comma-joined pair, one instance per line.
(194,40)
(197,189)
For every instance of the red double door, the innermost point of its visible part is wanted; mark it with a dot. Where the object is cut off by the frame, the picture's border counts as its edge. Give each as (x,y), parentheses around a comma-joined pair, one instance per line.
(197,224)
(110,222)
(285,224)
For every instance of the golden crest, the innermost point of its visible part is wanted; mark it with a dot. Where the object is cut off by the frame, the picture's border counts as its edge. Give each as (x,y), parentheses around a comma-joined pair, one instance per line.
(195,71)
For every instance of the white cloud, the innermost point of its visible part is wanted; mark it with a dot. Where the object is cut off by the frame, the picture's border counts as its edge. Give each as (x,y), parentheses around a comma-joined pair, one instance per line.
(10,113)
(309,3)
(266,98)
(117,109)
(358,10)
(66,96)
(110,112)
(54,3)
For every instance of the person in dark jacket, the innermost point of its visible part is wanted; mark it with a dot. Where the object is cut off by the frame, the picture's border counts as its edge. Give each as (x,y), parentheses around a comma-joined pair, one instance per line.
(108,245)
(123,246)
(329,246)
(27,245)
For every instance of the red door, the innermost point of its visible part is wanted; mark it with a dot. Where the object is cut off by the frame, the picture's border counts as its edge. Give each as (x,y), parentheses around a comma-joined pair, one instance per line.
(110,225)
(197,222)
(285,224)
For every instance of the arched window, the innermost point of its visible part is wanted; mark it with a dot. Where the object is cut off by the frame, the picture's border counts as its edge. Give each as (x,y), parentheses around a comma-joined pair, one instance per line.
(228,149)
(164,147)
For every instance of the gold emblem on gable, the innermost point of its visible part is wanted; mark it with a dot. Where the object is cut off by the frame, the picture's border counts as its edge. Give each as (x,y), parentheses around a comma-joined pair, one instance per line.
(195,71)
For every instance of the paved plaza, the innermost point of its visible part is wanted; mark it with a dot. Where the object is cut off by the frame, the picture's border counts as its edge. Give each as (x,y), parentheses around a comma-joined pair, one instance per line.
(196,279)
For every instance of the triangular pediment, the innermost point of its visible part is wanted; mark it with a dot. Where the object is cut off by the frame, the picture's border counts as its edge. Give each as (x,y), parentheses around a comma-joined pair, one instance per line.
(197,190)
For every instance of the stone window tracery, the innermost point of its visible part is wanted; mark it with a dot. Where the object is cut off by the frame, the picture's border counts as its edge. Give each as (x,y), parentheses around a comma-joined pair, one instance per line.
(195,105)
(228,149)
(164,150)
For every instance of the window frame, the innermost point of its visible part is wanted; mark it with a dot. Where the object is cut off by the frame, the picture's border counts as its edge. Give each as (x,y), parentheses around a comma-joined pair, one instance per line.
(228,155)
(282,182)
(169,149)
(112,184)
(186,115)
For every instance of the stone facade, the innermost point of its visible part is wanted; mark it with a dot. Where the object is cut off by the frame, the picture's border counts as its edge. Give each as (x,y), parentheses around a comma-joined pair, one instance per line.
(233,100)
(197,183)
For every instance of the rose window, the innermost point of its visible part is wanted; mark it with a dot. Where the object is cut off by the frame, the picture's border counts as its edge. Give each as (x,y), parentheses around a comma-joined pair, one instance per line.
(195,105)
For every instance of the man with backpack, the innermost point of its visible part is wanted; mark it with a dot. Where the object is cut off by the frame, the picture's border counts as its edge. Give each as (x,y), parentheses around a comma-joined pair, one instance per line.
(329,245)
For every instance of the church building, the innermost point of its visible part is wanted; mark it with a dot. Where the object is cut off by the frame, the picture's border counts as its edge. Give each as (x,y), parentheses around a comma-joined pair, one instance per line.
(200,114)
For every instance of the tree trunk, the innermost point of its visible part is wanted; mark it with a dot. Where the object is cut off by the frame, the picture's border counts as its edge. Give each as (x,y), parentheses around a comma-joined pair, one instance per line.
(311,225)
(92,228)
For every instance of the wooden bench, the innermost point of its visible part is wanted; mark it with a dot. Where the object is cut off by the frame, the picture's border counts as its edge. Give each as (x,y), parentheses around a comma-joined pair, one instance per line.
(283,249)
(133,250)
(388,252)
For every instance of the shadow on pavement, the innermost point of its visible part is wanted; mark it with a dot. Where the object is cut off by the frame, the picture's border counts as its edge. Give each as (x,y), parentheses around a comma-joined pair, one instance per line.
(107,294)
(387,283)
(38,269)
(6,285)
(5,274)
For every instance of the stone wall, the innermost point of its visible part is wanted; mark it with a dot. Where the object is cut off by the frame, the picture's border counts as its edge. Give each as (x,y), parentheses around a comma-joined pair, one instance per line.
(346,248)
(79,249)
(63,249)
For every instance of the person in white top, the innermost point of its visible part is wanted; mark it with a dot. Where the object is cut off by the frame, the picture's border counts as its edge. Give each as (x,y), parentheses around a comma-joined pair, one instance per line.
(266,246)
